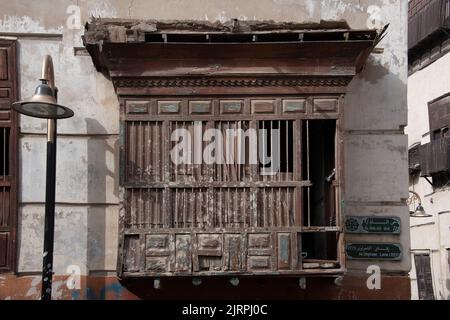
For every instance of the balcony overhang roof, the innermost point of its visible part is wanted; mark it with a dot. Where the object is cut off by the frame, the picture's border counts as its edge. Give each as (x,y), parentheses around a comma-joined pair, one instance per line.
(148,52)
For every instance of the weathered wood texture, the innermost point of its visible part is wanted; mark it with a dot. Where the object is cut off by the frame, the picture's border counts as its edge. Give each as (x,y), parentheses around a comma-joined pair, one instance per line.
(424,276)
(218,218)
(8,155)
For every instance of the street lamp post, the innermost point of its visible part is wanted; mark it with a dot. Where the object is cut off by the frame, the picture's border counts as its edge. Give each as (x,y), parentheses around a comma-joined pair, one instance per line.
(44,105)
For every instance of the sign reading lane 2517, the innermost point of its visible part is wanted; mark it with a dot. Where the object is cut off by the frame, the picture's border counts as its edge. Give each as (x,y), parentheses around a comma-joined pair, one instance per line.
(373,225)
(374,251)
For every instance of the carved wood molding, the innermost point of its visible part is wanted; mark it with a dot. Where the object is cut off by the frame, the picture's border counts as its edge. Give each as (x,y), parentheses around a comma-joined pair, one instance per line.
(247,82)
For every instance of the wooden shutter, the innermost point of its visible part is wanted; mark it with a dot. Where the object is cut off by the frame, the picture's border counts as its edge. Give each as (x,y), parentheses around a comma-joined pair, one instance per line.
(226,217)
(424,276)
(439,115)
(8,155)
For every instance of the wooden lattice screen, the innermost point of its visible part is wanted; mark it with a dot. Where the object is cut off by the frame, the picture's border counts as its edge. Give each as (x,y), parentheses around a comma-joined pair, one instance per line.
(201,218)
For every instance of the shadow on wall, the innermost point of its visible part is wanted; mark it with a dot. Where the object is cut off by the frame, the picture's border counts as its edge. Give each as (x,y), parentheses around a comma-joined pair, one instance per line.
(97,213)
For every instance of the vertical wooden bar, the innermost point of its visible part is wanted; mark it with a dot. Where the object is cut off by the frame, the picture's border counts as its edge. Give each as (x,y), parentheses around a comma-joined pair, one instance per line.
(297,175)
(167,209)
(308,171)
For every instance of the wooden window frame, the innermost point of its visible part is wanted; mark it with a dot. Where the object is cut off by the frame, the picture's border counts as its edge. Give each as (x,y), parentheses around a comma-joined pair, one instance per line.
(9,119)
(144,109)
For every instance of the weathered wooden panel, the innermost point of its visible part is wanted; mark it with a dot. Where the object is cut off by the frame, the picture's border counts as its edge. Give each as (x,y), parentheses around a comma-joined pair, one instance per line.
(435,157)
(183,253)
(294,106)
(233,252)
(157,264)
(200,107)
(259,263)
(3,64)
(260,244)
(424,276)
(158,245)
(4,251)
(284,251)
(231,106)
(4,93)
(5,101)
(133,253)
(169,107)
(439,114)
(325,105)
(209,245)
(5,206)
(138,107)
(5,115)
(263,106)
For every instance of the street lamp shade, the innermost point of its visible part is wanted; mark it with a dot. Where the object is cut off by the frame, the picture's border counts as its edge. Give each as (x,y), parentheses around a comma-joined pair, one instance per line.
(43,104)
(420,213)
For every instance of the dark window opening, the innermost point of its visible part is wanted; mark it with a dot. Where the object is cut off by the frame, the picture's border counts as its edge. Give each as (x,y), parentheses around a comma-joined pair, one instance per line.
(320,246)
(4,151)
(286,144)
(441,133)
(319,168)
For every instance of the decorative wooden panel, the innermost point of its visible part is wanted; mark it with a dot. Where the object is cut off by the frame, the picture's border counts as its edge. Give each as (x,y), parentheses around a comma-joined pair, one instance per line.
(8,155)
(184,215)
(424,276)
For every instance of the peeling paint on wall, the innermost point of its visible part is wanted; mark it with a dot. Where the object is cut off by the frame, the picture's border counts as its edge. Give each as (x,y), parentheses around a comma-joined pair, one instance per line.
(11,23)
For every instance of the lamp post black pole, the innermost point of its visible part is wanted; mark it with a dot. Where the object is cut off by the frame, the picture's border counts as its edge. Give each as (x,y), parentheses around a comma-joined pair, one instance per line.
(49,225)
(44,105)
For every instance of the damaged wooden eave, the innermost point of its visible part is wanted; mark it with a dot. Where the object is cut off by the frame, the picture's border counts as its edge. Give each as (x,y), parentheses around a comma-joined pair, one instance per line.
(132,30)
(124,38)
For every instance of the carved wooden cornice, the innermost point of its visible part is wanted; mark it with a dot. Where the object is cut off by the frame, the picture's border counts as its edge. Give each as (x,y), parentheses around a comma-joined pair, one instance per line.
(212,82)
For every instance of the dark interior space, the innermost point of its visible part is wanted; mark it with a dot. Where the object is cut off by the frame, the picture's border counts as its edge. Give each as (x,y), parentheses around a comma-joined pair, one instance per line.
(286,143)
(4,151)
(319,204)
(320,246)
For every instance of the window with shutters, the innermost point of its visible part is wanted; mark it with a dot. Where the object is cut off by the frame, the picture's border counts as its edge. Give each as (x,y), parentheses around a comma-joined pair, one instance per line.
(8,156)
(436,154)
(424,276)
(241,184)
